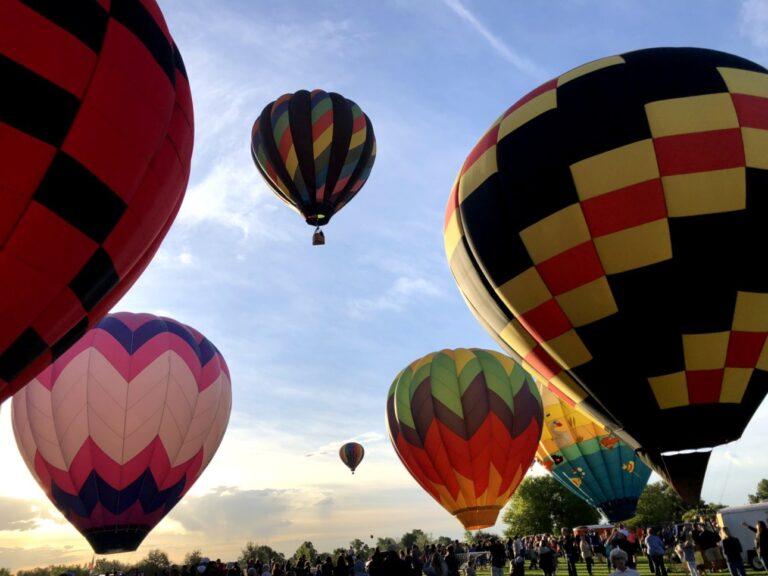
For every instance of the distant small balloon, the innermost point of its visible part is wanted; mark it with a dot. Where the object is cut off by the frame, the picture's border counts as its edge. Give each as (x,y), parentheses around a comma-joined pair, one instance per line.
(352,454)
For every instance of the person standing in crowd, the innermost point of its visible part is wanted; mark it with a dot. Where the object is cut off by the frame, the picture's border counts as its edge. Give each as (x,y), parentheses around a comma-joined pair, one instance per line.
(326,570)
(654,547)
(569,547)
(619,559)
(451,562)
(586,553)
(471,567)
(761,541)
(707,541)
(686,551)
(733,553)
(498,558)
(546,557)
(518,557)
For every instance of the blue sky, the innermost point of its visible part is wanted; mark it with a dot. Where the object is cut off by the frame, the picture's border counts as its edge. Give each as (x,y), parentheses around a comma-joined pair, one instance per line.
(314,336)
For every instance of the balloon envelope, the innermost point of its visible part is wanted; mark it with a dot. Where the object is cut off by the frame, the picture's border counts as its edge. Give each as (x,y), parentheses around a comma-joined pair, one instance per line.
(315,150)
(588,460)
(465,423)
(351,454)
(118,429)
(97,133)
(605,228)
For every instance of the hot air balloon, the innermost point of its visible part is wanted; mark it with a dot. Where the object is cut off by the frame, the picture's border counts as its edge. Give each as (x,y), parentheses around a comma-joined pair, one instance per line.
(588,460)
(466,423)
(120,426)
(351,454)
(315,150)
(605,229)
(96,126)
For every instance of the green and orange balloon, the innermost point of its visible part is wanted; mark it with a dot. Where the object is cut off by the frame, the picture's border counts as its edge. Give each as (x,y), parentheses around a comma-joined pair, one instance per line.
(466,424)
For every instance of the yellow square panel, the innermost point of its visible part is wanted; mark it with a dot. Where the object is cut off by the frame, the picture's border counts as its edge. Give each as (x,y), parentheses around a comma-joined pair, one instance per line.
(588,302)
(569,387)
(556,233)
(518,338)
(745,81)
(478,173)
(762,361)
(755,147)
(527,112)
(452,234)
(615,169)
(735,382)
(634,247)
(568,350)
(691,114)
(524,292)
(751,313)
(705,351)
(705,192)
(671,391)
(589,67)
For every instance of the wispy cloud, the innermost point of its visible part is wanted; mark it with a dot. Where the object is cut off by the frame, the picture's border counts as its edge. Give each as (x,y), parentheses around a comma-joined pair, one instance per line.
(397,297)
(753,21)
(512,56)
(366,438)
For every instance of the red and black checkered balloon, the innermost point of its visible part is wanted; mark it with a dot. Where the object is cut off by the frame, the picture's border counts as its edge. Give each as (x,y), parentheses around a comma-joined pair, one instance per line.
(608,230)
(96,133)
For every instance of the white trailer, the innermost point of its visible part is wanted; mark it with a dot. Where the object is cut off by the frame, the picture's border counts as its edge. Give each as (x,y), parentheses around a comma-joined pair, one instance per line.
(732,518)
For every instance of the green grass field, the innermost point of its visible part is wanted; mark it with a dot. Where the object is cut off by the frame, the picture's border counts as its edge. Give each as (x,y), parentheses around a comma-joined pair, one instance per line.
(602,570)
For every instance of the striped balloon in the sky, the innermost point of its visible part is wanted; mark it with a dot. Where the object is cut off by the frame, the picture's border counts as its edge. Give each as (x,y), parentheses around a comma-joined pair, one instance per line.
(118,429)
(315,150)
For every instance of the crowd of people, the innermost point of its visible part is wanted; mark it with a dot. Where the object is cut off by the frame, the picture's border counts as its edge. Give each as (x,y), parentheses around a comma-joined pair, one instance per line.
(620,548)
(622,545)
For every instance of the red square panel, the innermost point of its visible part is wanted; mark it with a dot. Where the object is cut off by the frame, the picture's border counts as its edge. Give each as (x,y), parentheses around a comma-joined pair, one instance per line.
(61,58)
(46,242)
(570,269)
(30,159)
(704,386)
(546,321)
(751,110)
(744,349)
(24,293)
(64,312)
(543,363)
(625,208)
(699,152)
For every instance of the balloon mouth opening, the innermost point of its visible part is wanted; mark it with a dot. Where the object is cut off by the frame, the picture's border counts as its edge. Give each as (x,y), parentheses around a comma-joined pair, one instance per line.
(478,517)
(116,540)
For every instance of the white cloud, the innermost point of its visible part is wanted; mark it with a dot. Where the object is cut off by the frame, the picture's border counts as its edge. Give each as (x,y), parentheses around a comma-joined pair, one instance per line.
(368,439)
(521,62)
(403,291)
(753,21)
(228,196)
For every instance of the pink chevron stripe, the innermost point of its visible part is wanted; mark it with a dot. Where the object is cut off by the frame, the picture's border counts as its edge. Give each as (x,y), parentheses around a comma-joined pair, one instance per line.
(130,366)
(91,458)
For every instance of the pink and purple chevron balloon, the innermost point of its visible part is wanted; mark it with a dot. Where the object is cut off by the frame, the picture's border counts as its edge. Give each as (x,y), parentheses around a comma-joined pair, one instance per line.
(118,429)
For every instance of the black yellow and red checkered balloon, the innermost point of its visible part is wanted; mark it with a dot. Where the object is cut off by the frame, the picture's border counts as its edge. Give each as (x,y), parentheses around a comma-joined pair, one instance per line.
(609,229)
